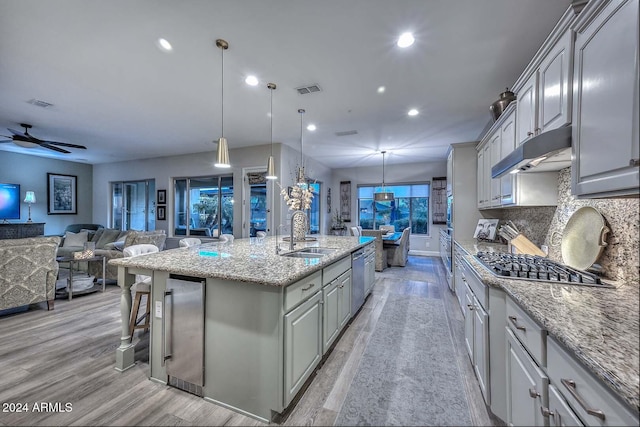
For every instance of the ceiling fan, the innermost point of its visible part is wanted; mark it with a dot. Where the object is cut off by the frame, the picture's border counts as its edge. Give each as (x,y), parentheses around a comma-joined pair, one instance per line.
(27,141)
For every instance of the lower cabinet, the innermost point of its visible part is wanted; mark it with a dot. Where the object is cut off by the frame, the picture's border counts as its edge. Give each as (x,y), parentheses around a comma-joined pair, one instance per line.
(303,344)
(369,273)
(558,412)
(476,337)
(526,386)
(337,308)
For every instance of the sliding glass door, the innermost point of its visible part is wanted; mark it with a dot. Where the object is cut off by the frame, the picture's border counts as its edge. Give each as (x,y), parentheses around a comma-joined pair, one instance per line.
(133,205)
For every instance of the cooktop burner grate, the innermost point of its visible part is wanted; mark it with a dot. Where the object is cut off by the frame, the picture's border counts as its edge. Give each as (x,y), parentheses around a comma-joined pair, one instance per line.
(531,267)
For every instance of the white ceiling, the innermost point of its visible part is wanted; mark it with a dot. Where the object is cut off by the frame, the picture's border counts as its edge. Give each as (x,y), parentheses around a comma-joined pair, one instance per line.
(116,92)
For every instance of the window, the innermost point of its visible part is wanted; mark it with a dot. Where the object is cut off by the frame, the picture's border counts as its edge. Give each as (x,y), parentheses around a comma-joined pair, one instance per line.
(314,211)
(409,209)
(203,206)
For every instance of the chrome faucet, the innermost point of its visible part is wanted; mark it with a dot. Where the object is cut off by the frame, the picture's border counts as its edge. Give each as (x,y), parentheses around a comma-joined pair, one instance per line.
(306,224)
(278,243)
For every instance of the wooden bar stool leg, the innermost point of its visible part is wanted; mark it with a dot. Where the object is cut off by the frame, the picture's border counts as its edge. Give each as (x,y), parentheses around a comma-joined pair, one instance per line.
(147,315)
(134,314)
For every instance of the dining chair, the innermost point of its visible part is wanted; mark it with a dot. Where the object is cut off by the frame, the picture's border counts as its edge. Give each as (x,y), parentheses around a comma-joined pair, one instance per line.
(261,234)
(142,287)
(354,231)
(388,228)
(189,241)
(226,238)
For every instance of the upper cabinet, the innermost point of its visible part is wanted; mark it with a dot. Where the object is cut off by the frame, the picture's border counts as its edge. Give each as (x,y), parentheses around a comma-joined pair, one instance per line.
(605,100)
(544,89)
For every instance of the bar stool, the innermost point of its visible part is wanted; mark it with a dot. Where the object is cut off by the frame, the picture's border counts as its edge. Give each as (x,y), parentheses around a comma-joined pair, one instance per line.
(189,241)
(142,287)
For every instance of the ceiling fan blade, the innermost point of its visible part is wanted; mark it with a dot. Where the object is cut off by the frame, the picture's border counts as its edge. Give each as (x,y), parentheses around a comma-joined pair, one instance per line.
(9,140)
(53,147)
(27,138)
(18,133)
(64,144)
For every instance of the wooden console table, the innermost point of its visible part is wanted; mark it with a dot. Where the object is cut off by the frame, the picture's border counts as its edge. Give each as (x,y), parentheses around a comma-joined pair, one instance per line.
(21,230)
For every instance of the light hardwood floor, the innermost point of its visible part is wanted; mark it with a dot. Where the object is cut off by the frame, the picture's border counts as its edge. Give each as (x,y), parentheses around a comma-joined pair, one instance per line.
(67,356)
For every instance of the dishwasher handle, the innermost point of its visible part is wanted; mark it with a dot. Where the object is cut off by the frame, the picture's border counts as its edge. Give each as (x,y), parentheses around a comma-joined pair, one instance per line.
(357,255)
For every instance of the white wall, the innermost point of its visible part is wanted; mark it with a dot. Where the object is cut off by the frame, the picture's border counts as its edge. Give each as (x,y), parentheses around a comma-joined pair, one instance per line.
(31,173)
(397,173)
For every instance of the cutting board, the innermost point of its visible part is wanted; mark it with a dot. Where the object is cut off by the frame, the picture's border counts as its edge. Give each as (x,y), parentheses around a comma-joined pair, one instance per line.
(525,246)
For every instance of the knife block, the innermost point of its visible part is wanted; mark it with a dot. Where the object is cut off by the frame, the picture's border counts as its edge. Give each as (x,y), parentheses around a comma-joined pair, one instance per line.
(522,245)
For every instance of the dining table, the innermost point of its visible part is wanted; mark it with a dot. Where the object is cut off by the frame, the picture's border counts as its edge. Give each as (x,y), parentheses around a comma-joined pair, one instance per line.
(391,238)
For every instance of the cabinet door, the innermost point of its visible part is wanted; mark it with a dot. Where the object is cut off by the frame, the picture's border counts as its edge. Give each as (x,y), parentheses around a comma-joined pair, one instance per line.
(487,175)
(468,321)
(331,314)
(303,344)
(507,145)
(369,274)
(526,386)
(481,348)
(495,149)
(560,414)
(554,101)
(344,299)
(605,117)
(526,109)
(480,179)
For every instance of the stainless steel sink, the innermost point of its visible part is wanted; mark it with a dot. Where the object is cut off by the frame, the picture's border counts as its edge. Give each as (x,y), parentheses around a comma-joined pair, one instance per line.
(314,252)
(303,255)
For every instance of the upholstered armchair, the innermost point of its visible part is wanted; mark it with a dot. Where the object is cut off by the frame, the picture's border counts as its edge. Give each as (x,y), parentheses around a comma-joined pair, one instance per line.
(28,271)
(381,251)
(398,253)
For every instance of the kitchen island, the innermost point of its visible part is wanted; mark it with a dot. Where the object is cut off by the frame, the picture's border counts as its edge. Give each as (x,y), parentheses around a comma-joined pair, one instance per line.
(267,319)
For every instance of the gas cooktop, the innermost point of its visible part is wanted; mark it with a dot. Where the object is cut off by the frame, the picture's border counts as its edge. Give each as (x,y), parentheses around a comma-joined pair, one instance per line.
(531,267)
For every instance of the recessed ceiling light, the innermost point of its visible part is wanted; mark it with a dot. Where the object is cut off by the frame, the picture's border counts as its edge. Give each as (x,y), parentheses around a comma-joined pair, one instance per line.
(251,80)
(381,89)
(165,45)
(311,127)
(413,112)
(405,40)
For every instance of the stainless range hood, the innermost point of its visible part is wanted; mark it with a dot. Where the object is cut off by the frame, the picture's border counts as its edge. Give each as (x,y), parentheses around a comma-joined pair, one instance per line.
(549,151)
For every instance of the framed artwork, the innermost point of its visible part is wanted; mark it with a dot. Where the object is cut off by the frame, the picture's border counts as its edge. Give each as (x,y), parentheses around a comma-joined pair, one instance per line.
(62,194)
(161,213)
(486,229)
(161,198)
(345,200)
(439,200)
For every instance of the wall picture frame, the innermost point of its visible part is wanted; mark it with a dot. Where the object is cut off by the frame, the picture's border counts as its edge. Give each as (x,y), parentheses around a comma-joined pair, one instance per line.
(62,194)
(345,200)
(161,213)
(161,197)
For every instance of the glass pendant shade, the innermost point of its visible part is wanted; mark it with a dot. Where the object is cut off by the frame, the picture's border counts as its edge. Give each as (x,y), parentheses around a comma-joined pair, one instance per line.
(383,196)
(271,169)
(222,154)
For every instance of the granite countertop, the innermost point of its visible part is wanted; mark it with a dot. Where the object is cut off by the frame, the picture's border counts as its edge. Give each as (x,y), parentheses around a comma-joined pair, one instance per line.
(246,260)
(600,327)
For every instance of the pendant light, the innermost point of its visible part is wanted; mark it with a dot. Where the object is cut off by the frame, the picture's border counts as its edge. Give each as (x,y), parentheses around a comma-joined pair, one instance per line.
(271,167)
(300,179)
(222,154)
(383,196)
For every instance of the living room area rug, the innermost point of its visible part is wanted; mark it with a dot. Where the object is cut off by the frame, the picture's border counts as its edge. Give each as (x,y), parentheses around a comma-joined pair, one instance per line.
(408,374)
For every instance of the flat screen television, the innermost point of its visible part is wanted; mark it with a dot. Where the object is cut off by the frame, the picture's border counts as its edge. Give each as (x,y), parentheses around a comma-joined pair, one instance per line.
(9,201)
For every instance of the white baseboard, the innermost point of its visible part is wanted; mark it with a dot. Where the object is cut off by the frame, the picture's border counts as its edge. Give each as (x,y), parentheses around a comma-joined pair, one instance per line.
(423,253)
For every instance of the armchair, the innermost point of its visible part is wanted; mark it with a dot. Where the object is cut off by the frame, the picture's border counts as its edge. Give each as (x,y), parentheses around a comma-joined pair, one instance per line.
(28,271)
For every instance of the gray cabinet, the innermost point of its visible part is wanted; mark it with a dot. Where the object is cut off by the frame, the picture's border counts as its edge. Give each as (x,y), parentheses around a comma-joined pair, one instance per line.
(507,145)
(369,273)
(526,386)
(559,413)
(481,347)
(605,115)
(303,344)
(336,301)
(21,230)
(344,299)
(468,321)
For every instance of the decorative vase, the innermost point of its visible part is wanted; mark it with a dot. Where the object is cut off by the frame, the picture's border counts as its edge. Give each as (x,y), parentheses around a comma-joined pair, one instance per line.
(299,228)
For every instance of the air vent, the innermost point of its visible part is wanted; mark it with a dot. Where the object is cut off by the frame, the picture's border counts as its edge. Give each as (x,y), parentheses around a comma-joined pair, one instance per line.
(347,133)
(39,103)
(308,89)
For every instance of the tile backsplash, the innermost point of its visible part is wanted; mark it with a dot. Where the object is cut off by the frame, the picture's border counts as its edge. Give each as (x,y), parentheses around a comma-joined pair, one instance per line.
(620,259)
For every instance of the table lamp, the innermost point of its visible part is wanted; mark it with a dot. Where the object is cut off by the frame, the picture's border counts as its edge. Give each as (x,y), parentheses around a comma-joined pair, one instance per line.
(29,198)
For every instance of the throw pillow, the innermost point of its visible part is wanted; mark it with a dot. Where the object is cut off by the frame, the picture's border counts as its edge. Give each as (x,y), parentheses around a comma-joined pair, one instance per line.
(74,239)
(109,235)
(90,233)
(97,235)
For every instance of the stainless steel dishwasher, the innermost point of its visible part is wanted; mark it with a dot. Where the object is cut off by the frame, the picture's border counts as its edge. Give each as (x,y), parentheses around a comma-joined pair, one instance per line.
(357,281)
(183,333)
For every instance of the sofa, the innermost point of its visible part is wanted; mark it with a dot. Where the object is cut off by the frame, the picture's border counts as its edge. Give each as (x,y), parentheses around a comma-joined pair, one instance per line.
(74,237)
(381,251)
(28,271)
(112,251)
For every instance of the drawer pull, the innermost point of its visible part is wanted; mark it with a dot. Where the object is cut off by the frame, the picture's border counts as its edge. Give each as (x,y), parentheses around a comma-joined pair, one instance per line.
(546,412)
(515,323)
(471,307)
(533,393)
(571,386)
(308,287)
(634,162)
(529,133)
